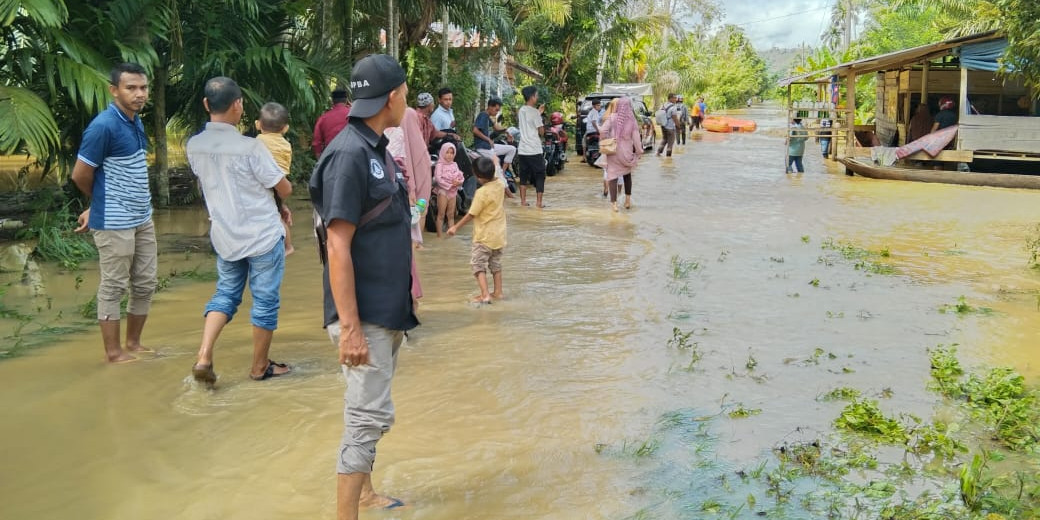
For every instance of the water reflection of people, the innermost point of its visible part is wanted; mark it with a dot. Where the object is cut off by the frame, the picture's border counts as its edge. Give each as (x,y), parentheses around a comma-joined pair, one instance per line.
(947,116)
(920,123)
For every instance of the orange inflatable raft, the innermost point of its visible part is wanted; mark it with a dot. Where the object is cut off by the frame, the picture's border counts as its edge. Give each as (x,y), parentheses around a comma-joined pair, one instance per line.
(728,124)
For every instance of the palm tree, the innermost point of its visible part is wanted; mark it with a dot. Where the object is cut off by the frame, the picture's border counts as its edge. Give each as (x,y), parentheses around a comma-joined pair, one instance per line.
(844,15)
(961,17)
(46,71)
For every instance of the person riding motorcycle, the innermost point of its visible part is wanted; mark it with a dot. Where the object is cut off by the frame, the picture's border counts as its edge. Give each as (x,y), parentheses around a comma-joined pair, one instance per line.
(556,126)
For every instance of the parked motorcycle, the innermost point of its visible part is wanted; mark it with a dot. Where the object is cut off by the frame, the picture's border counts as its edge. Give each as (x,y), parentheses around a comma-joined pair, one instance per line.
(591,147)
(552,152)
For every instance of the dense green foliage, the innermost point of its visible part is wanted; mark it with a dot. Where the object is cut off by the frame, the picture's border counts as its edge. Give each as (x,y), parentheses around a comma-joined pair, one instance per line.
(54,65)
(1022,24)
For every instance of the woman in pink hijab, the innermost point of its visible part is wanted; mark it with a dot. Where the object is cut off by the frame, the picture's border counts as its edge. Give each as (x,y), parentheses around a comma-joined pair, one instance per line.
(621,125)
(408,149)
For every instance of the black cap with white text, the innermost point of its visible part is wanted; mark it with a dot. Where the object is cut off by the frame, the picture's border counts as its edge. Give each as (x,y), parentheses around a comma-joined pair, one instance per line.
(371,82)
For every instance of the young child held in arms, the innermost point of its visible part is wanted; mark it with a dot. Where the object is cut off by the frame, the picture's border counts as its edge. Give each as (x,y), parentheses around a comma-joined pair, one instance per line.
(489,229)
(273,124)
(447,178)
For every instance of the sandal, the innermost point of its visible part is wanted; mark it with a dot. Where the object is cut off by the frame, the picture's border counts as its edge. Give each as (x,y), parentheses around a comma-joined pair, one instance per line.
(269,372)
(204,373)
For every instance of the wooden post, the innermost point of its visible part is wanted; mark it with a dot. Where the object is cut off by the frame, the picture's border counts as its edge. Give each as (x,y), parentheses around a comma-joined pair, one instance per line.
(787,134)
(924,82)
(964,108)
(850,114)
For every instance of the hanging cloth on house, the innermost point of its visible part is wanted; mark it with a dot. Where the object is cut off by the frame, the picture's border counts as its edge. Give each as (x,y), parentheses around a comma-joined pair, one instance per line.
(984,55)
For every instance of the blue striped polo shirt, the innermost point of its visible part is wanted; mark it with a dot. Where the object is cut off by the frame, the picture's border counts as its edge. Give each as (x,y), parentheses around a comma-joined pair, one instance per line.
(116,147)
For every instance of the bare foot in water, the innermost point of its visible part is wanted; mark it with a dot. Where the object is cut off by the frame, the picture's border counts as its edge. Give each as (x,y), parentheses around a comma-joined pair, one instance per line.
(139,349)
(481,299)
(497,296)
(123,357)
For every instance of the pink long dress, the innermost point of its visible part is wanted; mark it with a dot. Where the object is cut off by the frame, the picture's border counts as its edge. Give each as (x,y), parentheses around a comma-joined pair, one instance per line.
(629,147)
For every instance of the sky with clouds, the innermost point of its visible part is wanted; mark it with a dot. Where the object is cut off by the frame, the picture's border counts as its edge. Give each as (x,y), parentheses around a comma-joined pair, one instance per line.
(779,23)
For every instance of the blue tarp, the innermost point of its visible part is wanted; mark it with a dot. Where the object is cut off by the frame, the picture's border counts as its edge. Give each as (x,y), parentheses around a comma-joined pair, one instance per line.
(984,55)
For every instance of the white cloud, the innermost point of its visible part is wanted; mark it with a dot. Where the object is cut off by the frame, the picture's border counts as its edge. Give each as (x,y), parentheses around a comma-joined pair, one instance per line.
(779,23)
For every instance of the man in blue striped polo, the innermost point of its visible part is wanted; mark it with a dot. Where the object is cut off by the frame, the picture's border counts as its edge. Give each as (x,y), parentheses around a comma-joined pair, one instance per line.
(112,171)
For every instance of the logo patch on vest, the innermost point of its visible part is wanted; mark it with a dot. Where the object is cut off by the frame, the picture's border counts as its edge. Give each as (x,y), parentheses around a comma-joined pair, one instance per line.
(376,169)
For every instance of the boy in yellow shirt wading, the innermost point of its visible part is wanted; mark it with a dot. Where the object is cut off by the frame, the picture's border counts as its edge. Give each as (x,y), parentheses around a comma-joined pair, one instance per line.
(273,124)
(489,229)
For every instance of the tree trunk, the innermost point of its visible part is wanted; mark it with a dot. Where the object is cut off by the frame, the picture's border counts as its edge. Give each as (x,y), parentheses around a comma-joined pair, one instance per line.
(389,27)
(501,70)
(162,152)
(667,28)
(348,32)
(444,50)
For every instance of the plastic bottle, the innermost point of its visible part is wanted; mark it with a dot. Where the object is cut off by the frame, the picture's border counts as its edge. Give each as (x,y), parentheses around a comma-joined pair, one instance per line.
(417,210)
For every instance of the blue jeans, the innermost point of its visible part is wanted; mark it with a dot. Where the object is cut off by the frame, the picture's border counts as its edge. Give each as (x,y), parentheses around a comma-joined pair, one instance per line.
(797,161)
(264,273)
(825,145)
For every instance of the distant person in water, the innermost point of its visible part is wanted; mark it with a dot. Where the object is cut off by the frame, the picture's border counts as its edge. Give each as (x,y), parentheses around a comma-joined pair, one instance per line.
(825,136)
(796,146)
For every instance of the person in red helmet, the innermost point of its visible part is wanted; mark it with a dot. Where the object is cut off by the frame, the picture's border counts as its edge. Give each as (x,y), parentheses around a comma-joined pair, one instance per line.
(556,126)
(947,116)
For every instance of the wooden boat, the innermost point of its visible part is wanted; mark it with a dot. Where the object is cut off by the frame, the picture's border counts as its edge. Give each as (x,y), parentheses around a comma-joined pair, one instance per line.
(867,168)
(728,124)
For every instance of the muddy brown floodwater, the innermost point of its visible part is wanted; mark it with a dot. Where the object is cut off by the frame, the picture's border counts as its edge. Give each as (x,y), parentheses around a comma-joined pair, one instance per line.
(531,407)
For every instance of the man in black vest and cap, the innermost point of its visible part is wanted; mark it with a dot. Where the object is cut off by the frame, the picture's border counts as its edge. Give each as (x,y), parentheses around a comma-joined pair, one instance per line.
(362,200)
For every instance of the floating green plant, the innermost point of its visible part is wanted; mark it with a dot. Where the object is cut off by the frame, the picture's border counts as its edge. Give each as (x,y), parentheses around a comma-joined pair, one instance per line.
(842,393)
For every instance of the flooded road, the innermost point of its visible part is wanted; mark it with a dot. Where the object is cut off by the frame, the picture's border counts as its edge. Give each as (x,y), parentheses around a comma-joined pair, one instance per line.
(554,403)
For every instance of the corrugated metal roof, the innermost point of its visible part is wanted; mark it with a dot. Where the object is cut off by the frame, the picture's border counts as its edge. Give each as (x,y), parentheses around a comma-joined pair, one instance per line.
(893,59)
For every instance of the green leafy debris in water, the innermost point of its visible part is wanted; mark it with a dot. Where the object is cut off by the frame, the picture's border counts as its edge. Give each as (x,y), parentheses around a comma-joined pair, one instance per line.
(946,370)
(1032,247)
(863,259)
(962,307)
(842,393)
(864,416)
(740,411)
(682,267)
(999,398)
